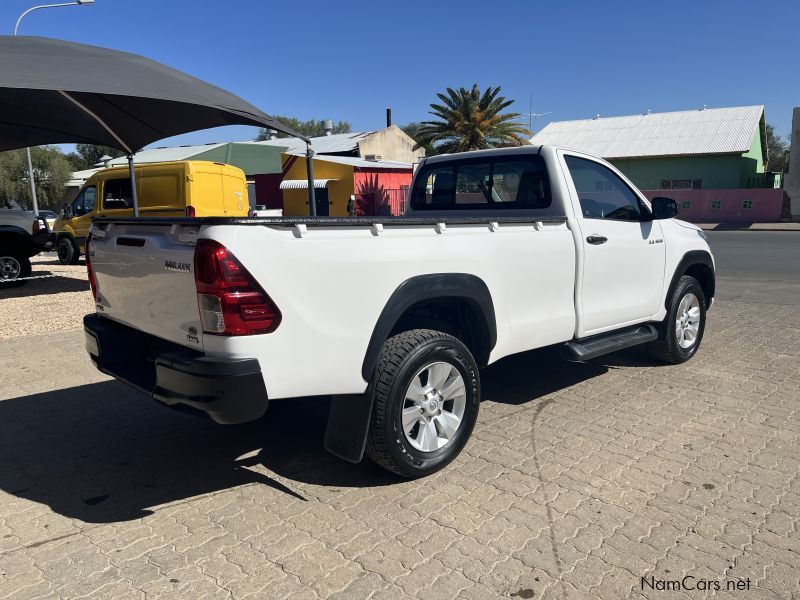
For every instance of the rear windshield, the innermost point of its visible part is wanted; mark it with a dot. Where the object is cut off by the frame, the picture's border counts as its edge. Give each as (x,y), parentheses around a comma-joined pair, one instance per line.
(502,182)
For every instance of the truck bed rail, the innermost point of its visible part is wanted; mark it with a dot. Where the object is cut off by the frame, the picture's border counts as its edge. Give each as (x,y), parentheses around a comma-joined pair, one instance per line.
(337,221)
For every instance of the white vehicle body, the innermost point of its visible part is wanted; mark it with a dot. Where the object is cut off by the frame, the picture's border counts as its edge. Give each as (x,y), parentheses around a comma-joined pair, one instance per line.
(333,280)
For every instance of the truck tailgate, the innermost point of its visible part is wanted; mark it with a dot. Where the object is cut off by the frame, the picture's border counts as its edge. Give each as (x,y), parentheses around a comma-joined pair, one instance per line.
(145,279)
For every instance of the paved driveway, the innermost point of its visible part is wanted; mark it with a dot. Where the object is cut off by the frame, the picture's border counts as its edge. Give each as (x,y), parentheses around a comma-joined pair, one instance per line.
(579,481)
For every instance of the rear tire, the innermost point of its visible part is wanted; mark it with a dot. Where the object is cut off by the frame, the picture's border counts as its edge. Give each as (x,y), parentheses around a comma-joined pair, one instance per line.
(13,266)
(426,401)
(68,251)
(682,330)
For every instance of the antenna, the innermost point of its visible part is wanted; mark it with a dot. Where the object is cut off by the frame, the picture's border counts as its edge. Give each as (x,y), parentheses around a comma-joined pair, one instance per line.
(532,115)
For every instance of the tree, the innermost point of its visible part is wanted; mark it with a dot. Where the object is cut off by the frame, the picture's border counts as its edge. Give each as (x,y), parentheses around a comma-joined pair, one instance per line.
(472,120)
(51,170)
(777,151)
(87,156)
(310,128)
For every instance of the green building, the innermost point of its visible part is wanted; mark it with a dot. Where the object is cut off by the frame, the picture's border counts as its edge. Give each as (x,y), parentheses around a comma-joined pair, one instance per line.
(710,148)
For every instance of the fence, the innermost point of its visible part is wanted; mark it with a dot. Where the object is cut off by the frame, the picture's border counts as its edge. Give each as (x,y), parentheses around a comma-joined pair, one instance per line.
(755,205)
(382,202)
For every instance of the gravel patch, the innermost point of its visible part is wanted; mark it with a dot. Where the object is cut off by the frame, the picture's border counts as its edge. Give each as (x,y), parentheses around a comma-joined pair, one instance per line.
(45,305)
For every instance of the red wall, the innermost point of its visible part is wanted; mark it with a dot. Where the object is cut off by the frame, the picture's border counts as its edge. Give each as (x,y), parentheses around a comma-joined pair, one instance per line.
(268,191)
(381,191)
(766,204)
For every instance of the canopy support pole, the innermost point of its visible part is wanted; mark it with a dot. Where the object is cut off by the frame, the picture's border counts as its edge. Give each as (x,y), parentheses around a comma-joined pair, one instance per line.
(312,200)
(122,146)
(33,183)
(134,195)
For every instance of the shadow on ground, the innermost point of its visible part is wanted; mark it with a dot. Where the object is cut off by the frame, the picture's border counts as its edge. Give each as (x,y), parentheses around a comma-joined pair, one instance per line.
(103,452)
(39,287)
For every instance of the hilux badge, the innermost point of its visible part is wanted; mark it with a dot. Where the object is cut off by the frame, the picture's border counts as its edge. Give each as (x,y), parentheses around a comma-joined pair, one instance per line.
(180,267)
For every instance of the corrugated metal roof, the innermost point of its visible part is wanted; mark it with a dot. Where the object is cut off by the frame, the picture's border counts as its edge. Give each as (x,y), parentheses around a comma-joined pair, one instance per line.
(363,163)
(252,158)
(324,144)
(302,184)
(688,132)
(78,178)
(152,155)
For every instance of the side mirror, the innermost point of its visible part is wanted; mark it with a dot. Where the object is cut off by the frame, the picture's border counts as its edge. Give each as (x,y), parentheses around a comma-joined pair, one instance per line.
(66,211)
(664,208)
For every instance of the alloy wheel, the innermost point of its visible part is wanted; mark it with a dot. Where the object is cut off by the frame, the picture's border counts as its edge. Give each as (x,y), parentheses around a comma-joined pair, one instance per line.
(9,268)
(434,406)
(687,321)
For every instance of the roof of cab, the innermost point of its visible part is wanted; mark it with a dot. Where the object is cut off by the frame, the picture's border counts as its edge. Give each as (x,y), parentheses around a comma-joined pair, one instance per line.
(526,149)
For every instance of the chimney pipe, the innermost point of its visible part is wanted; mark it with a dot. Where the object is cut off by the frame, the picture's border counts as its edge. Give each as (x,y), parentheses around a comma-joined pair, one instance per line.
(327,126)
(388,117)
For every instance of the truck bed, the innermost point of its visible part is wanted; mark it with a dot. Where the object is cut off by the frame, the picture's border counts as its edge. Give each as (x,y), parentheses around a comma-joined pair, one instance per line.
(331,278)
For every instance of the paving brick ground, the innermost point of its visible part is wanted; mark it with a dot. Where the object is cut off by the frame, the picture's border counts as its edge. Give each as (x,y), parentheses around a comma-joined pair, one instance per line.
(579,481)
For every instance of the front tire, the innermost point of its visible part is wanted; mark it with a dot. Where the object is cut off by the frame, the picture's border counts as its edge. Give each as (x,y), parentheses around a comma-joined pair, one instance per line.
(68,252)
(682,330)
(426,400)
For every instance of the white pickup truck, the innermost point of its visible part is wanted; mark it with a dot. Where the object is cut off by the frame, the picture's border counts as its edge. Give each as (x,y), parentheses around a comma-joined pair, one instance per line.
(500,251)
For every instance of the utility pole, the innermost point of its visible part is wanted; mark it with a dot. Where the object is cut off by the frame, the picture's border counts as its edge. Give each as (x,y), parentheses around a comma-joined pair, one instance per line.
(28,150)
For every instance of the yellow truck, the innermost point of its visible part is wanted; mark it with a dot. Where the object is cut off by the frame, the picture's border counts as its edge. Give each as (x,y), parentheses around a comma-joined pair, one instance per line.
(168,189)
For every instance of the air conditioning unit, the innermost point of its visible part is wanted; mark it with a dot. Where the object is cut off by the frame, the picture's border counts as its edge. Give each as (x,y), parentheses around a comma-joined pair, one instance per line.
(372,157)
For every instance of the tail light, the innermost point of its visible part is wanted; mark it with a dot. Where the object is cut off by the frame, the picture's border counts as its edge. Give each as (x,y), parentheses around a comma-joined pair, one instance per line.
(190,212)
(36,227)
(89,269)
(231,302)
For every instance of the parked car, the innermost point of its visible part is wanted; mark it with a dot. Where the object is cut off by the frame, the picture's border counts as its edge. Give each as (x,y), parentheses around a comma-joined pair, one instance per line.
(22,236)
(500,252)
(50,218)
(176,189)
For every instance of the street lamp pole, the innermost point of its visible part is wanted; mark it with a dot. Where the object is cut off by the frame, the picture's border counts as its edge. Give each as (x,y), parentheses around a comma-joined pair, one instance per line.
(28,150)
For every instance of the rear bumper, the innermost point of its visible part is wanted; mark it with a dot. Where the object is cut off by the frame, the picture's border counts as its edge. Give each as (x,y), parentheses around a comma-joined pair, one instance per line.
(229,390)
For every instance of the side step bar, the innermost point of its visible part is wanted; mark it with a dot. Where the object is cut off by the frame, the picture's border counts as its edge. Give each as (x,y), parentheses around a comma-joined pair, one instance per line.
(605,343)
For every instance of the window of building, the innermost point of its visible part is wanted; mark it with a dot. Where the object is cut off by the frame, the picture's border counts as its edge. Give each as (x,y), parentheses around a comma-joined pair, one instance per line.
(716,204)
(477,184)
(117,194)
(686,204)
(681,184)
(747,204)
(602,194)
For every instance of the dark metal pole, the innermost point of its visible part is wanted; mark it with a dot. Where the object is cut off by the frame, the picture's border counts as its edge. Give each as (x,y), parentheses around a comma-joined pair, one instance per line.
(134,195)
(312,201)
(388,117)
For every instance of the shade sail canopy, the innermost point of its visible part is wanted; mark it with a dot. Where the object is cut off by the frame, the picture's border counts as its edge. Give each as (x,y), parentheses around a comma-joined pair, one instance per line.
(52,91)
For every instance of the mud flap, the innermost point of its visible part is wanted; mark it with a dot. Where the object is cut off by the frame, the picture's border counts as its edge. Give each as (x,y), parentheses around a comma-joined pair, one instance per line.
(348,424)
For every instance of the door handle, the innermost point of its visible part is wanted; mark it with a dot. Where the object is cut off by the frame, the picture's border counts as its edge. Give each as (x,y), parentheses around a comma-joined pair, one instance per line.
(596,240)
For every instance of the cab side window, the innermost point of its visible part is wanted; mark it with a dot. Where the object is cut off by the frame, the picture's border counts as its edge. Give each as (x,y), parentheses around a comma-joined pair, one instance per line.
(117,194)
(507,183)
(602,194)
(84,202)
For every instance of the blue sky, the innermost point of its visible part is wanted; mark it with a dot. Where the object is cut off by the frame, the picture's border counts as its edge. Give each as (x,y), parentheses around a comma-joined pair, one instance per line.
(351,60)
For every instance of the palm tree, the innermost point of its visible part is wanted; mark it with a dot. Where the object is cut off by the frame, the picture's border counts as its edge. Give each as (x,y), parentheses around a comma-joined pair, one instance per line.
(471,120)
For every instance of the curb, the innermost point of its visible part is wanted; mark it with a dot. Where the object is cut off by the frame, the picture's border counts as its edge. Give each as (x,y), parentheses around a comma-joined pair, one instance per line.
(749,226)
